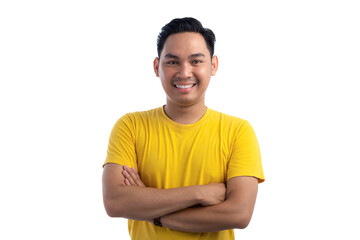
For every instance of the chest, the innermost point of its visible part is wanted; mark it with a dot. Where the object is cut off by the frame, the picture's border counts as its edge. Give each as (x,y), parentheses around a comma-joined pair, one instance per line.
(169,159)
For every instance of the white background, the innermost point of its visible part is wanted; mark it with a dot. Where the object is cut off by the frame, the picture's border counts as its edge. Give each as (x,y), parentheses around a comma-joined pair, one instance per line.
(70,69)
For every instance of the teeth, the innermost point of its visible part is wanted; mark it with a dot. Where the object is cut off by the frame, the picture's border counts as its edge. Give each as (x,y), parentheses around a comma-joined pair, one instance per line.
(184,86)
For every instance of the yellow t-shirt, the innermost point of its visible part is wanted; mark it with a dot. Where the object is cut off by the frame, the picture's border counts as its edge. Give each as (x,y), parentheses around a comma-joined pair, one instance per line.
(170,155)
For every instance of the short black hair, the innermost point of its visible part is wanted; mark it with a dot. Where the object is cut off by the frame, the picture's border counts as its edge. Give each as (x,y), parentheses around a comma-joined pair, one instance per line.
(188,24)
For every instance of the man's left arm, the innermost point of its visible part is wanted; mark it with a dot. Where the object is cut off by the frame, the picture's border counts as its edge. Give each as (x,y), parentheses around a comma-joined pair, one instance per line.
(237,209)
(234,212)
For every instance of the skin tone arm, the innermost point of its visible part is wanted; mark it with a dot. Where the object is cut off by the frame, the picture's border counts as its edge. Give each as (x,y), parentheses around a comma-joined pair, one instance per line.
(234,212)
(137,202)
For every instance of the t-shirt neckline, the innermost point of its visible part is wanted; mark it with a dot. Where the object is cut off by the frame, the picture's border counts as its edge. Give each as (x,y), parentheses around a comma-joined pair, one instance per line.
(184,126)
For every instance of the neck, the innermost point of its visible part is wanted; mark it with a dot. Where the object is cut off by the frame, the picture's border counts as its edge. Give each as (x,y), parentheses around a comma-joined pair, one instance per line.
(185,114)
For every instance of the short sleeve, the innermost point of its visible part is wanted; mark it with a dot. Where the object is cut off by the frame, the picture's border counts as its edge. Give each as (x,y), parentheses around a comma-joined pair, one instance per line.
(121,148)
(245,157)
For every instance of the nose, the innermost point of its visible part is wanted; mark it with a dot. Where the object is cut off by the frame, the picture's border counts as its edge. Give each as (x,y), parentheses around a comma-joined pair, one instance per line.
(185,71)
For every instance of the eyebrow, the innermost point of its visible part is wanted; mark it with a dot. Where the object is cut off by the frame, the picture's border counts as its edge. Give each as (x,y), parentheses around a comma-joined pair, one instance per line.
(169,55)
(194,55)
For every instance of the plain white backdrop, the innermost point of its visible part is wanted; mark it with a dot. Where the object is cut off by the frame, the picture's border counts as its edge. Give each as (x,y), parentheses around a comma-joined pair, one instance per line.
(70,69)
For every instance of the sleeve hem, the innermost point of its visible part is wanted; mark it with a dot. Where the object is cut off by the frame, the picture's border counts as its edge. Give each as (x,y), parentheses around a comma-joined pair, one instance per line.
(260,179)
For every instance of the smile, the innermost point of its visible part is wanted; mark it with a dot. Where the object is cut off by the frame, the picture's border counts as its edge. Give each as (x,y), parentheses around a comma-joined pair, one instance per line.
(185,86)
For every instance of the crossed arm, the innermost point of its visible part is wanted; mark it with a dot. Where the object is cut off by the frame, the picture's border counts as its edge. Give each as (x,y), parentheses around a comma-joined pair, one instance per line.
(200,208)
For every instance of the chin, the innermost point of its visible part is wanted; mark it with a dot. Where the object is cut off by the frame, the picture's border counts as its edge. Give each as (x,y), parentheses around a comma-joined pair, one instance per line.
(187,103)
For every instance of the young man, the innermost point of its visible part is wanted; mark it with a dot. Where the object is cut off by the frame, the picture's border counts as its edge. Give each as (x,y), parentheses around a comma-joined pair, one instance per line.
(182,171)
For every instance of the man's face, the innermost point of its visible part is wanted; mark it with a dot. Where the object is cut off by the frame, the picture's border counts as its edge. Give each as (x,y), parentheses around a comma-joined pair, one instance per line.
(185,68)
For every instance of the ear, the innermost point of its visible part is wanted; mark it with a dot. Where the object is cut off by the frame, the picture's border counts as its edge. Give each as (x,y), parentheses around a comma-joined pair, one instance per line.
(156,66)
(214,65)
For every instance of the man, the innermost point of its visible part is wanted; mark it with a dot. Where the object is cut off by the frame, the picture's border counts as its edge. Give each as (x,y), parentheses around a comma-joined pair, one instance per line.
(182,171)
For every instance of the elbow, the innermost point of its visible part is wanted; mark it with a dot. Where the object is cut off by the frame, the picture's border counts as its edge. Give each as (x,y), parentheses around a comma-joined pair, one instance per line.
(241,221)
(111,213)
(115,212)
(112,210)
(242,224)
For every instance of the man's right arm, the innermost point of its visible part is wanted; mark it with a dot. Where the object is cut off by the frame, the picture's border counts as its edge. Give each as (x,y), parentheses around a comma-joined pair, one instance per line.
(145,203)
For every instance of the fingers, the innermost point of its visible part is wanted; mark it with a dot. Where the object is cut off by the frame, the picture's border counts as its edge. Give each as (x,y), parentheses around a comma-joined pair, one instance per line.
(132,178)
(137,179)
(127,182)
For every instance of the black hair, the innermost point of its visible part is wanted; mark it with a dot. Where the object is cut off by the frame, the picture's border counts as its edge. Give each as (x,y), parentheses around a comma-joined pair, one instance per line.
(179,25)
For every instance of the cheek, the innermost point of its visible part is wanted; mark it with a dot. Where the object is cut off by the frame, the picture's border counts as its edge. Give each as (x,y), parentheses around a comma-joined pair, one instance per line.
(165,79)
(163,76)
(203,73)
(166,73)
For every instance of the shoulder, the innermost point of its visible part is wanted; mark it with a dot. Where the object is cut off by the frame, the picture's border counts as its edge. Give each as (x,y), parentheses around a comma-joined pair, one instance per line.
(146,114)
(228,120)
(139,117)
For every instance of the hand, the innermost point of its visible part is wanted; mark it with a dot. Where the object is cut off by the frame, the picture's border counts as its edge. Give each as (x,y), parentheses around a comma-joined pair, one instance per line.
(132,177)
(212,194)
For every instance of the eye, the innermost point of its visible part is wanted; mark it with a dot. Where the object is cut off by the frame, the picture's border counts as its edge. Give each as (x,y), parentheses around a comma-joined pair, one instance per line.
(171,62)
(196,61)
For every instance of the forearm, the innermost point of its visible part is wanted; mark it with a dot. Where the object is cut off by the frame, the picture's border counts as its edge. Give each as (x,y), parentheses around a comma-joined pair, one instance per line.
(226,215)
(234,212)
(144,203)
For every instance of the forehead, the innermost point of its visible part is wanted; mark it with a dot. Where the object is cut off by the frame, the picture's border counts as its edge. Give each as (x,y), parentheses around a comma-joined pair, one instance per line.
(185,44)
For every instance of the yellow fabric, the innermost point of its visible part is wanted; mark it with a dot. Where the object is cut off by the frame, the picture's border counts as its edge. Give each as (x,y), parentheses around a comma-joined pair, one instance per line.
(169,155)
